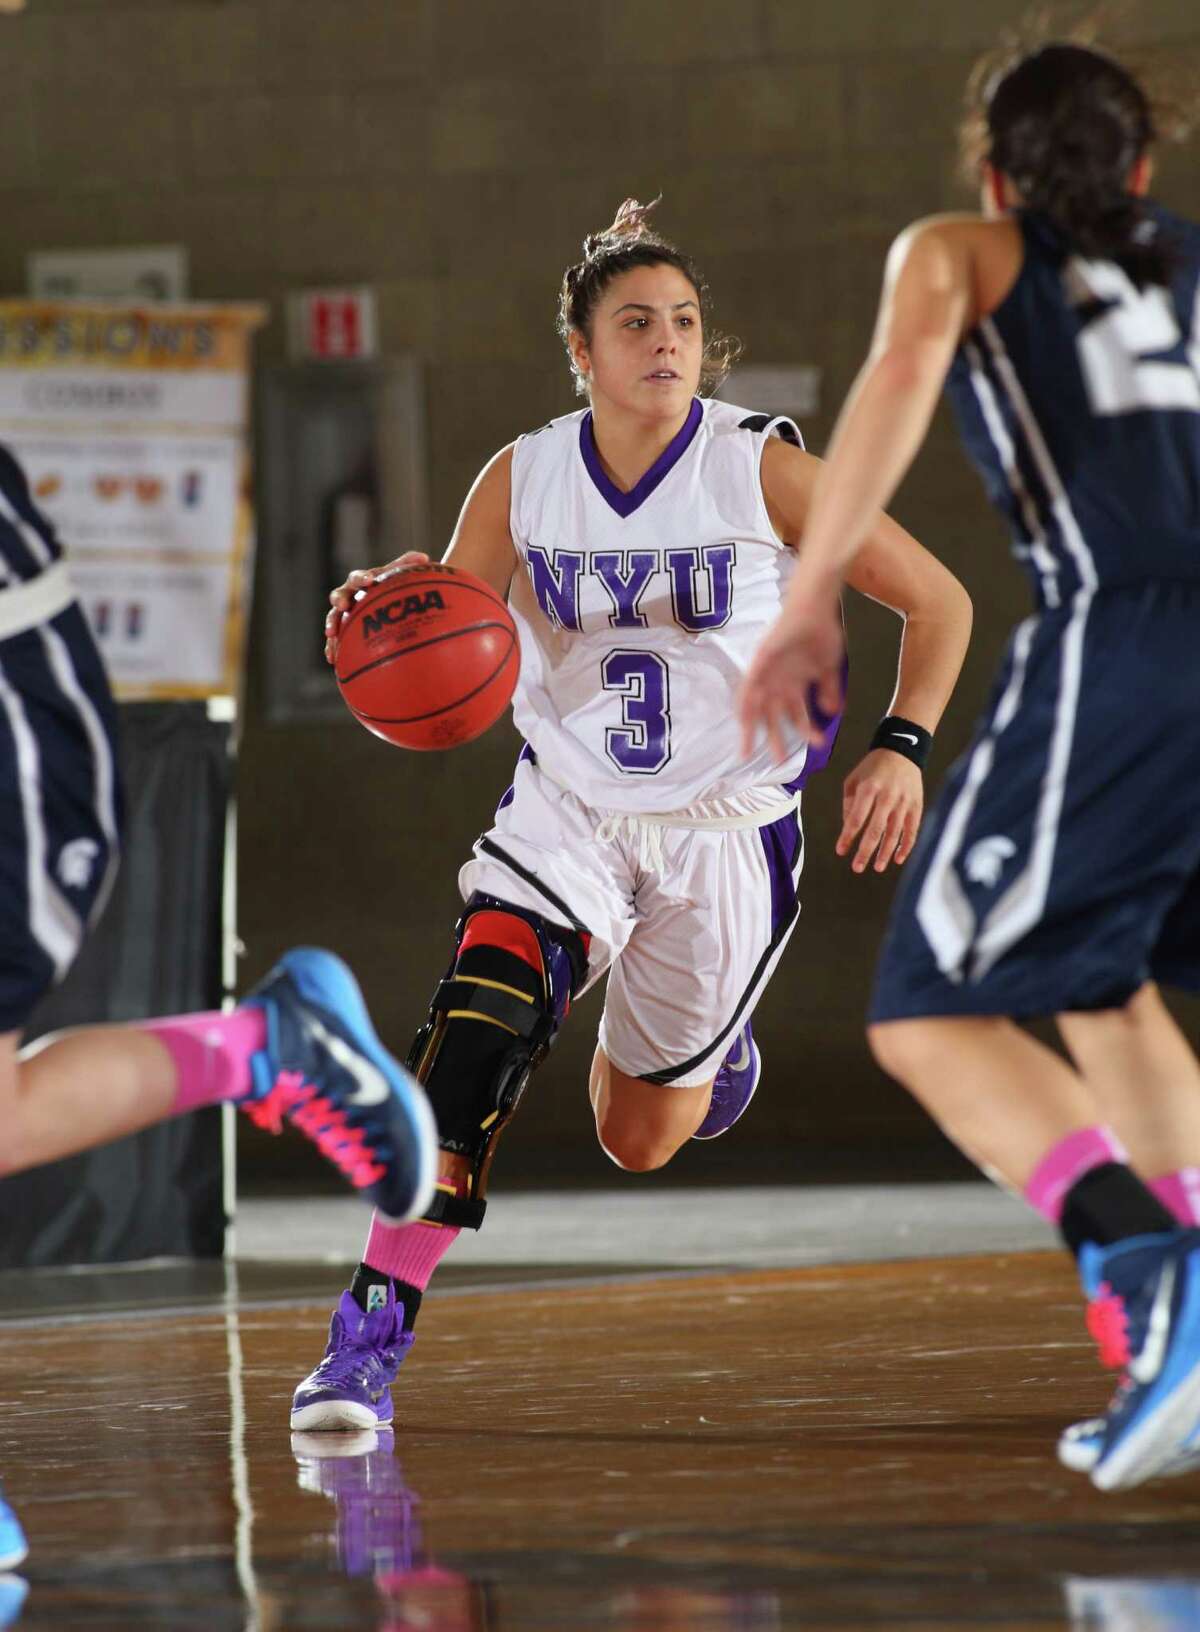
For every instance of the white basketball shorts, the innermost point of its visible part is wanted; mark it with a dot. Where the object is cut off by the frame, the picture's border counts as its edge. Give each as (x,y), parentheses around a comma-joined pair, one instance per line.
(688,923)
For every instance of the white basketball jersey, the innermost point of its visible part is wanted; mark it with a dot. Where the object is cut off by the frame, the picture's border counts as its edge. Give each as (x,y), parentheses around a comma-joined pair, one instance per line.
(639,612)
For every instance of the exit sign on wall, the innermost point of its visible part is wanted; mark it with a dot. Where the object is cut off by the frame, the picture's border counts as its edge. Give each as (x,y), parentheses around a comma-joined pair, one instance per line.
(332,324)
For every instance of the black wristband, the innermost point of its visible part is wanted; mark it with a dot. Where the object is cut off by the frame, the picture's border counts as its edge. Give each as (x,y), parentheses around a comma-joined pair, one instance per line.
(903,737)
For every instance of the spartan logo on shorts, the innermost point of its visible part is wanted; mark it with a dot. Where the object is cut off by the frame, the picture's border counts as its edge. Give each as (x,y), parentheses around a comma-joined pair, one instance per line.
(985,860)
(77,862)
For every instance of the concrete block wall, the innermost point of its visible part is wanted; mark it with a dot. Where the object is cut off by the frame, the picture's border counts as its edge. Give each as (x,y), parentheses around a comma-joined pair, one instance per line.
(453,153)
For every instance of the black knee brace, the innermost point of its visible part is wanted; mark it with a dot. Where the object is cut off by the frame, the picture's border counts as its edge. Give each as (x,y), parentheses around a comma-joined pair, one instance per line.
(491,1023)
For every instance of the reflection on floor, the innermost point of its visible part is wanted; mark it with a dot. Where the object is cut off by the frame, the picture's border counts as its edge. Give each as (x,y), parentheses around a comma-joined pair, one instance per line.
(861,1445)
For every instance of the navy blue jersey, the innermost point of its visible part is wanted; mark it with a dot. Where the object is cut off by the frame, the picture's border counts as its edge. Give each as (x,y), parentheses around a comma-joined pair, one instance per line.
(1079,402)
(27,540)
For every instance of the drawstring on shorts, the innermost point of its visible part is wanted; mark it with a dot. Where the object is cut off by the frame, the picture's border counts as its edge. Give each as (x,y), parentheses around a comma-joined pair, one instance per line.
(649,837)
(717,817)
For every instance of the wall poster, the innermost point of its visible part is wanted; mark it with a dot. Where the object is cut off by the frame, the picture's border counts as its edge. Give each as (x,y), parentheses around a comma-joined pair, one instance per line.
(131,423)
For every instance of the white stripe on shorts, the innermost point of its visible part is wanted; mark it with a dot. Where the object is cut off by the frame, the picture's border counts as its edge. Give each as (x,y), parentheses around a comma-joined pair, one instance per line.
(104,770)
(943,911)
(53,923)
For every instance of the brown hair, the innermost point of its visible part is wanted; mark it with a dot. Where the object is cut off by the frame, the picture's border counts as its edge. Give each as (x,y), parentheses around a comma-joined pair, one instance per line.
(627,243)
(1066,123)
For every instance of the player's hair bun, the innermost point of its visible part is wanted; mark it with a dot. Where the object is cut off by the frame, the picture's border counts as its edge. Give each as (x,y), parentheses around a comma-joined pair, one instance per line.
(630,225)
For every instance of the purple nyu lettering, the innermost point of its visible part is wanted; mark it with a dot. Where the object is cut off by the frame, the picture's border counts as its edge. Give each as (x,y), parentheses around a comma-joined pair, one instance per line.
(715,563)
(625,574)
(556,584)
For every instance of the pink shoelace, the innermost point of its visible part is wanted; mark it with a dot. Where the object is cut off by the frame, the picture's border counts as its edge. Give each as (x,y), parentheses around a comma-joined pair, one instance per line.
(300,1103)
(1108,1324)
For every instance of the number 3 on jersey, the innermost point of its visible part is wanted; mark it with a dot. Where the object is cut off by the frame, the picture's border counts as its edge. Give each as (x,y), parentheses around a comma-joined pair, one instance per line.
(641,744)
(1120,347)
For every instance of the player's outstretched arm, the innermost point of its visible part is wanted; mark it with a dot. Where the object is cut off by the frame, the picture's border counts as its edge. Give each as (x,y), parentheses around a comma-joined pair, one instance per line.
(928,300)
(482,544)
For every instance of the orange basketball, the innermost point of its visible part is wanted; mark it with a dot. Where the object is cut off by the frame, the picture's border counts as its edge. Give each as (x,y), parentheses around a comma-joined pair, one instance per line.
(428,658)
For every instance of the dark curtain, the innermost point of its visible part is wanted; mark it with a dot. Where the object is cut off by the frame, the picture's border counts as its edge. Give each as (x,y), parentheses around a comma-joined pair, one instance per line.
(156,951)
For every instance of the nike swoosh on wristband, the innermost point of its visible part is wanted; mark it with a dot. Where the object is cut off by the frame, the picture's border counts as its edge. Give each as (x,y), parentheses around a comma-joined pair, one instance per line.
(905,737)
(1154,1350)
(373,1087)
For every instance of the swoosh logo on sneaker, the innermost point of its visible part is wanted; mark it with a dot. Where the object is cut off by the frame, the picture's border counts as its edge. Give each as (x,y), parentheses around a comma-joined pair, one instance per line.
(1154,1350)
(373,1087)
(743,1057)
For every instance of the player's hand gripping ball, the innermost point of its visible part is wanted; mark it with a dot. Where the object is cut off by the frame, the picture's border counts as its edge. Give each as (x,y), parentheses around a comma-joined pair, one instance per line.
(428,658)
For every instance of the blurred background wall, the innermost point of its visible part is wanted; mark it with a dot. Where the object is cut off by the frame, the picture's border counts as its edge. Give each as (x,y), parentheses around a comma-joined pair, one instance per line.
(452,154)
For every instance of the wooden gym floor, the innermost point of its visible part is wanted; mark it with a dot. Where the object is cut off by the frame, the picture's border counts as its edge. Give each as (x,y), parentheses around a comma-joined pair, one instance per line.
(863,1445)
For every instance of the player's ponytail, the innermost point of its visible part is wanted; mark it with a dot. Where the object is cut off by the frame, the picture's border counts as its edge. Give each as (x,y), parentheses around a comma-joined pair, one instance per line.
(627,242)
(1066,123)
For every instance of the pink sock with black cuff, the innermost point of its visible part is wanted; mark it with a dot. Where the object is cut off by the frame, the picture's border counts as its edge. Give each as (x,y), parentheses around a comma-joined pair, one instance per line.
(1063,1167)
(411,1252)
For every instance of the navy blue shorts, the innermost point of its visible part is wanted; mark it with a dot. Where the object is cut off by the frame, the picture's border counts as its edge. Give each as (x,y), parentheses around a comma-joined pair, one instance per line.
(60,805)
(1060,866)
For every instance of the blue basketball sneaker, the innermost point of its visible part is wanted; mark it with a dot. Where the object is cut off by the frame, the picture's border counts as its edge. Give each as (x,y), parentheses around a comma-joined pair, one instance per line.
(13,1547)
(1144,1297)
(733,1086)
(13,1593)
(1079,1448)
(351,1388)
(325,1071)
(1121,1604)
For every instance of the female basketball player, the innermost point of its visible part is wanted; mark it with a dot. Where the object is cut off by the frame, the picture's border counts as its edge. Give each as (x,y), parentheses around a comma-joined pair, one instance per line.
(300,1047)
(1060,871)
(645,545)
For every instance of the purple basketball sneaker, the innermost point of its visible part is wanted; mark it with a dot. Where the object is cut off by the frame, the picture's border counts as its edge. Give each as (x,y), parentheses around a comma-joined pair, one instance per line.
(351,1386)
(733,1086)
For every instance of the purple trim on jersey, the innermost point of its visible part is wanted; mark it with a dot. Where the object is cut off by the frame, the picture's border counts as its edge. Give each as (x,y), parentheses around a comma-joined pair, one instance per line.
(626,503)
(781,846)
(819,755)
(526,755)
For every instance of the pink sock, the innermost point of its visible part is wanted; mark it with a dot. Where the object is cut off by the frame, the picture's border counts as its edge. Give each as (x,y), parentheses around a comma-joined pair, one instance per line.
(410,1252)
(1066,1164)
(211,1054)
(1179,1193)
